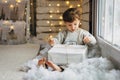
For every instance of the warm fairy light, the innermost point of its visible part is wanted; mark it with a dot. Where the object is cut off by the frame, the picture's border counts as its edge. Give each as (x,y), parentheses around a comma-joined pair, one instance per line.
(50,29)
(30,18)
(19,1)
(50,36)
(67,2)
(6,1)
(78,5)
(60,29)
(61,17)
(11,6)
(80,23)
(49,4)
(12,27)
(58,5)
(58,11)
(51,16)
(71,6)
(17,4)
(48,22)
(51,11)
(51,24)
(60,23)
(31,4)
(6,22)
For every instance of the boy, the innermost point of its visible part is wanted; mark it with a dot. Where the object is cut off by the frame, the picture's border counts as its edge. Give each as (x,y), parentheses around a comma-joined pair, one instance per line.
(73,35)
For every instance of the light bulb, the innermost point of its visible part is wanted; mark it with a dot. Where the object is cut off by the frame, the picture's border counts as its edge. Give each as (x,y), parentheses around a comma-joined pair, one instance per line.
(67,2)
(51,11)
(11,27)
(61,17)
(51,16)
(49,4)
(58,5)
(6,1)
(50,29)
(71,6)
(11,6)
(60,29)
(78,5)
(19,1)
(58,11)
(48,22)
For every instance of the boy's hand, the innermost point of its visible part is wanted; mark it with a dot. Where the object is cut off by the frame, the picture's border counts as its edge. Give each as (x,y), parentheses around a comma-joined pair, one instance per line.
(86,39)
(50,40)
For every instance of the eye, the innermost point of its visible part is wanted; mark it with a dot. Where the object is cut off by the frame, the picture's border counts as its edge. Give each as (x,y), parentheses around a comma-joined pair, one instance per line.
(69,25)
(75,24)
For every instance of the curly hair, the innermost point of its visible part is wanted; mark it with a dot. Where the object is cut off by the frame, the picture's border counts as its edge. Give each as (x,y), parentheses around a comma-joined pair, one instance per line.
(71,14)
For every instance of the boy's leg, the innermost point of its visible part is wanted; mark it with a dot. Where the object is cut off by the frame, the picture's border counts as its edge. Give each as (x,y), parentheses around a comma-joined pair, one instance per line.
(53,66)
(42,62)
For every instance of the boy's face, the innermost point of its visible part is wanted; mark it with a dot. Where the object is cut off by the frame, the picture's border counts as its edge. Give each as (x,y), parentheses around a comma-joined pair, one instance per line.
(72,26)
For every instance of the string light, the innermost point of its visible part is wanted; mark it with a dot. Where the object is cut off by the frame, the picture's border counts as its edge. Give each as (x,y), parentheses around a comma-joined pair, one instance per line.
(6,1)
(67,2)
(11,6)
(80,23)
(50,29)
(61,17)
(71,6)
(48,22)
(60,23)
(50,36)
(17,4)
(12,27)
(51,16)
(78,5)
(28,29)
(31,4)
(18,1)
(29,18)
(49,4)
(51,24)
(58,11)
(60,29)
(25,13)
(51,11)
(58,5)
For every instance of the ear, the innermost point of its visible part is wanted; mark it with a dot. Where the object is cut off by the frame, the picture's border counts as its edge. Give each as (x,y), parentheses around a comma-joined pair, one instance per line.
(80,24)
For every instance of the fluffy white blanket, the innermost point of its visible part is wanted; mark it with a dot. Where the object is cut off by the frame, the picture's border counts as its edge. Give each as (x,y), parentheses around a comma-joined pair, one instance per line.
(90,69)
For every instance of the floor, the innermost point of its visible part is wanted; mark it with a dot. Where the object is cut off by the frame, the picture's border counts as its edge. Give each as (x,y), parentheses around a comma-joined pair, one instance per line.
(12,57)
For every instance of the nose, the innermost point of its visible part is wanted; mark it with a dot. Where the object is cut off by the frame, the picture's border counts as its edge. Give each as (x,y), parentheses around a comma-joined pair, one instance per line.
(73,27)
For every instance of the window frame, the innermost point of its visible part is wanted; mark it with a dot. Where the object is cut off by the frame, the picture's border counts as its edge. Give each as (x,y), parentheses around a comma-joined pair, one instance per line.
(99,30)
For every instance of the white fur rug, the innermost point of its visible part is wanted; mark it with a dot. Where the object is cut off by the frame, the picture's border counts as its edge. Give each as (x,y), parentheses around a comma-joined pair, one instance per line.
(91,69)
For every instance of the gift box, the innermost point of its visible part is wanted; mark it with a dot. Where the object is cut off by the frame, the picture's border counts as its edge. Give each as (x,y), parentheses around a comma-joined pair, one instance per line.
(66,54)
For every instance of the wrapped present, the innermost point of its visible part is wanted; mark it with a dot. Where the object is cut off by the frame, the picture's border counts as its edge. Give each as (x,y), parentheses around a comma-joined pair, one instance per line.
(66,54)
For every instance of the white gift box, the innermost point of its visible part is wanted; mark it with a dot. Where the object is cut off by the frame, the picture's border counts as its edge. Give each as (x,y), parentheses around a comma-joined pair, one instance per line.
(66,54)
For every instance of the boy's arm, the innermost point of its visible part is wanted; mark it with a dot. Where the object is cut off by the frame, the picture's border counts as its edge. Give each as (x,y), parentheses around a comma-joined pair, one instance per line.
(59,38)
(89,39)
